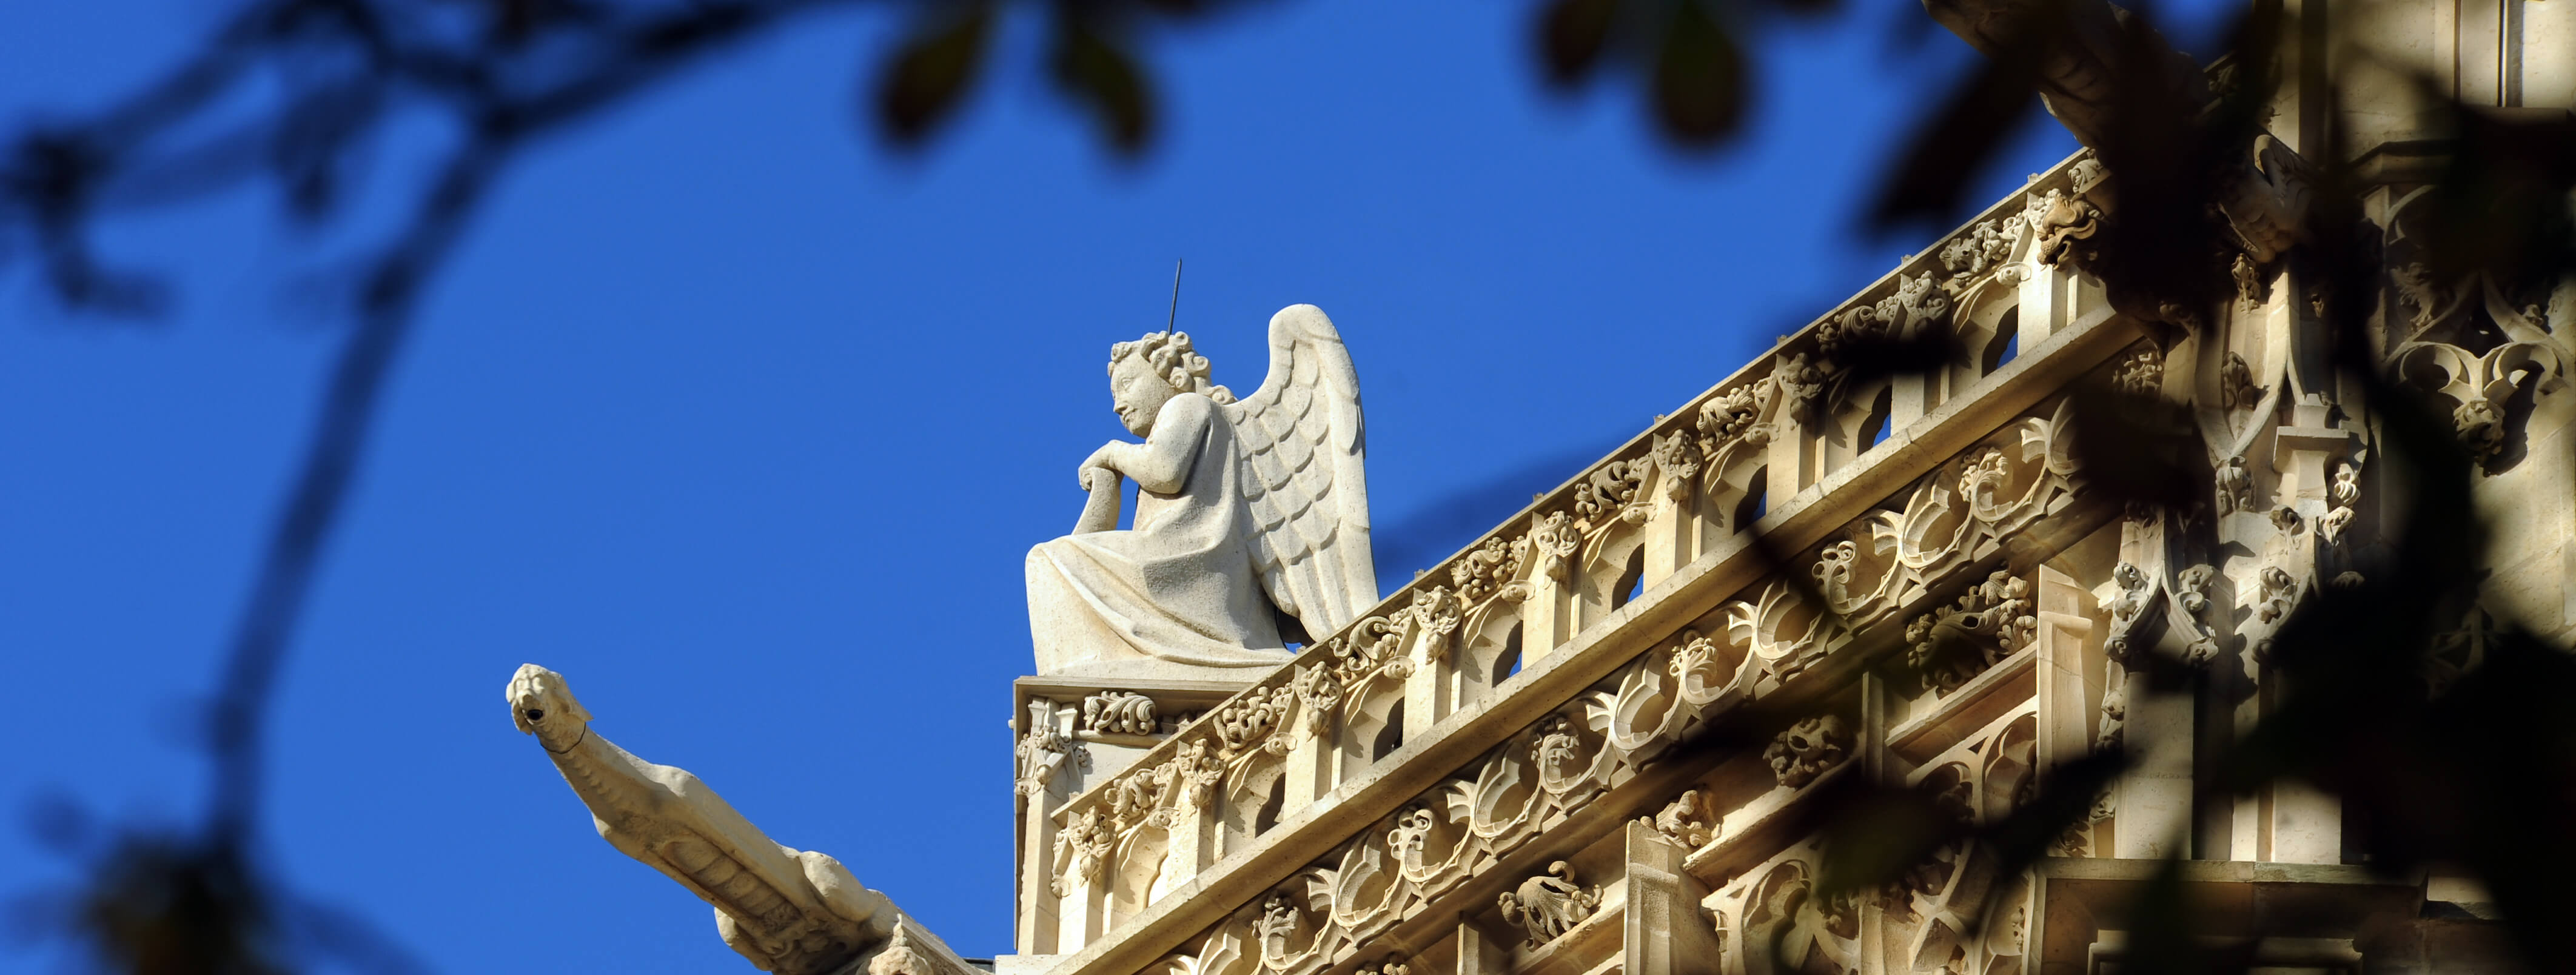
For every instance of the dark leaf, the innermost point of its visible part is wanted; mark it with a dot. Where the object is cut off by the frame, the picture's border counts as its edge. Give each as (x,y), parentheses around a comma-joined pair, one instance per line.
(1092,70)
(928,77)
(1699,79)
(1572,35)
(1928,180)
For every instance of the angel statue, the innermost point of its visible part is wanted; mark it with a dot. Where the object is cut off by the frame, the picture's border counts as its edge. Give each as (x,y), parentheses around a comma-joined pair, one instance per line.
(1251,522)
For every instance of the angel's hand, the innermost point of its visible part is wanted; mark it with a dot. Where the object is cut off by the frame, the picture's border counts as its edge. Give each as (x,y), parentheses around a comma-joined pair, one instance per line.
(1100,460)
(1094,477)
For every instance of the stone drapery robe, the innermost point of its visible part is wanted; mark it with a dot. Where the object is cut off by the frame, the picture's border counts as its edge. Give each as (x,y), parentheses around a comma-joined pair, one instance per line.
(1179,587)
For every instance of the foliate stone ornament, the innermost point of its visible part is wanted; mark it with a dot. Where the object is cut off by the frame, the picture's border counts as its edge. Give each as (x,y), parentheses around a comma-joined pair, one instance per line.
(2480,427)
(1081,851)
(1491,569)
(1548,905)
(1318,693)
(2141,375)
(1608,489)
(1189,778)
(1278,923)
(1276,475)
(2061,226)
(2086,174)
(2416,288)
(1557,747)
(1043,749)
(1686,821)
(1118,713)
(1250,720)
(1679,458)
(1802,382)
(2191,587)
(2276,594)
(1436,611)
(1833,571)
(2235,486)
(1735,416)
(789,911)
(1989,622)
(2249,282)
(2236,389)
(1556,539)
(1807,749)
(1393,965)
(1984,248)
(2126,608)
(1913,305)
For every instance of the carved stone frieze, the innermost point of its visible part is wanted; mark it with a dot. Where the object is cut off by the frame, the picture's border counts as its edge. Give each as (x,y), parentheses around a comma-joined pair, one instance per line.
(1044,749)
(2141,375)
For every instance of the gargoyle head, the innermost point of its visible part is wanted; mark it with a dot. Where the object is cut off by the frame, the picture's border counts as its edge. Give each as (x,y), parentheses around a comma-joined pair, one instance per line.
(541,705)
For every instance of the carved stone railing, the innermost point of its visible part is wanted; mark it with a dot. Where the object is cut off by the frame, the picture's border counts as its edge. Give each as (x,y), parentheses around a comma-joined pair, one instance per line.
(1787,428)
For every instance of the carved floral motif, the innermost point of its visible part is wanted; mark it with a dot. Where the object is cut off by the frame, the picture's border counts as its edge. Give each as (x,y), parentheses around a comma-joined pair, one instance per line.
(2235,486)
(1081,850)
(1491,569)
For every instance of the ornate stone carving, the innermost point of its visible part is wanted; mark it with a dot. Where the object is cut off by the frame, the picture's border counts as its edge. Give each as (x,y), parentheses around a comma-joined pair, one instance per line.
(2249,282)
(789,911)
(1807,749)
(1318,693)
(2062,223)
(2191,588)
(1491,569)
(2235,486)
(1913,305)
(1250,720)
(1801,381)
(1687,821)
(1556,540)
(2417,289)
(1118,713)
(1983,249)
(2141,375)
(1678,457)
(1191,776)
(1735,416)
(1277,475)
(2481,428)
(2276,593)
(1081,850)
(1989,622)
(1393,965)
(1557,746)
(1278,923)
(1044,749)
(1609,488)
(2236,389)
(1436,611)
(1548,905)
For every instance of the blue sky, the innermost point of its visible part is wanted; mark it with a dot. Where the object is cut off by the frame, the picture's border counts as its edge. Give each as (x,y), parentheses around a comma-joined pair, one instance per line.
(744,424)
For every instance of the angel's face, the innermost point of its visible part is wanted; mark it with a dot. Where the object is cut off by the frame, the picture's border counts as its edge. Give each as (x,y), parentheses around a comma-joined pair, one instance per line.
(1137,393)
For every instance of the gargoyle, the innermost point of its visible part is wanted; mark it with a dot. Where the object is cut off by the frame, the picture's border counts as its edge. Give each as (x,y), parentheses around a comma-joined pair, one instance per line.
(790,911)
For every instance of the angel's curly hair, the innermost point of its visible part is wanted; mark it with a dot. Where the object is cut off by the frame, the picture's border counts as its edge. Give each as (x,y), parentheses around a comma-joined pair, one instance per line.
(1180,366)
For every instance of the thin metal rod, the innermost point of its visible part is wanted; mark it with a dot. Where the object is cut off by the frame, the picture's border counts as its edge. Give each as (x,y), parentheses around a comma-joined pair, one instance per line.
(1176,298)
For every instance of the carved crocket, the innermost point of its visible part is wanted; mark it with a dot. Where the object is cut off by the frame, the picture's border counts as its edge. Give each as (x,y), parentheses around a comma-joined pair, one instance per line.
(789,911)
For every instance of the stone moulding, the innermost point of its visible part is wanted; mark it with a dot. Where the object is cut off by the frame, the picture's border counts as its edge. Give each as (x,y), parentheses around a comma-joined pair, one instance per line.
(1782,434)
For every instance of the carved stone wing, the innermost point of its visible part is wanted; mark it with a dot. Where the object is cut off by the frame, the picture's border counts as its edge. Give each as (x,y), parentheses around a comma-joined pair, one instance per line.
(1303,445)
